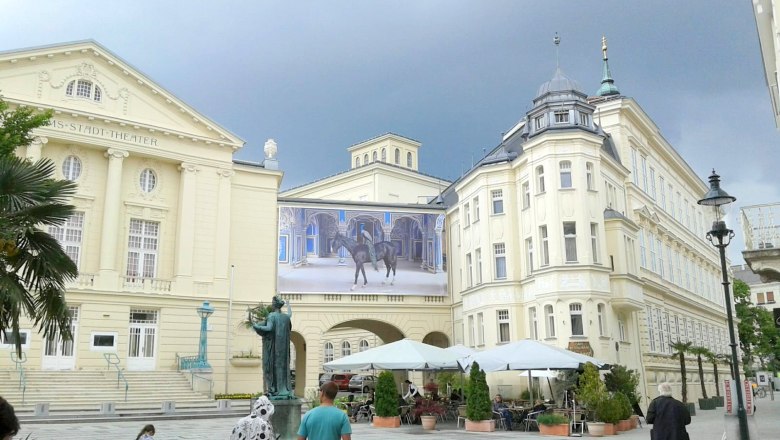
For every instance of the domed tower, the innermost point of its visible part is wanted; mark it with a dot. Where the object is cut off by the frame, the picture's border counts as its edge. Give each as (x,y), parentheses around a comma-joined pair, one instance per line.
(560,104)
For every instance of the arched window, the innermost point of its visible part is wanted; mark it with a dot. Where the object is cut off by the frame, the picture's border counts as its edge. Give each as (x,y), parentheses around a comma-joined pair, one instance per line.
(575,316)
(602,320)
(328,355)
(549,314)
(565,174)
(363,346)
(71,168)
(346,349)
(409,160)
(373,156)
(83,88)
(365,159)
(397,156)
(384,155)
(357,161)
(148,180)
(539,179)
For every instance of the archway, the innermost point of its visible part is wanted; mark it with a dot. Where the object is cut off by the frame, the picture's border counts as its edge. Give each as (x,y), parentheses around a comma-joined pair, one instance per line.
(298,344)
(438,339)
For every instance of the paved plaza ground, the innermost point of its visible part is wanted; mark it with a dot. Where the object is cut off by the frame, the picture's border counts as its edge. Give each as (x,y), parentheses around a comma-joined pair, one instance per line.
(706,425)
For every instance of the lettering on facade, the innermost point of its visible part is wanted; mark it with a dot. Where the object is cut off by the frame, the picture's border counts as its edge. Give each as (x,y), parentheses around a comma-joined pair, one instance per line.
(75,127)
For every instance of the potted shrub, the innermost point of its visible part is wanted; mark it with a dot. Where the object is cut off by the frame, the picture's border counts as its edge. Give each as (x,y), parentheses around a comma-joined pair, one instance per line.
(553,424)
(591,389)
(479,410)
(428,410)
(386,402)
(609,412)
(680,350)
(704,402)
(621,379)
(624,407)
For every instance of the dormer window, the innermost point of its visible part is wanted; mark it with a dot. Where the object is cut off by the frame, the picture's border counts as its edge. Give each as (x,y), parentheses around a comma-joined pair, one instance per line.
(562,117)
(83,88)
(539,122)
(585,119)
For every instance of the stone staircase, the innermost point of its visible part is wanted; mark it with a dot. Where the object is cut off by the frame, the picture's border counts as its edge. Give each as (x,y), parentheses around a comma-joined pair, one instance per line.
(79,395)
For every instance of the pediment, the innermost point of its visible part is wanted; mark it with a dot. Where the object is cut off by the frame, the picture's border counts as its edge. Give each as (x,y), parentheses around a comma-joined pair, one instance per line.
(645,213)
(49,76)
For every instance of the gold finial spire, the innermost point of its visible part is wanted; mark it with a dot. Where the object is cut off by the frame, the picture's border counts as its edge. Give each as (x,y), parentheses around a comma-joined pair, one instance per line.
(604,46)
(557,42)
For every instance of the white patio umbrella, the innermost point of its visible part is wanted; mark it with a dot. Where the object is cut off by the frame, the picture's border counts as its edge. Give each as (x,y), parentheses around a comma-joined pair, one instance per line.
(539,373)
(528,354)
(405,354)
(461,350)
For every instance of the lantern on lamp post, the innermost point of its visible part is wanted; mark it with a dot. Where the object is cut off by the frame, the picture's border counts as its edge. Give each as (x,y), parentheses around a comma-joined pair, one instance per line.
(204,311)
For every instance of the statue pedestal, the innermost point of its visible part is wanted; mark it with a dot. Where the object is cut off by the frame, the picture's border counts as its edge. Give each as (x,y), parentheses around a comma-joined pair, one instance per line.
(287,418)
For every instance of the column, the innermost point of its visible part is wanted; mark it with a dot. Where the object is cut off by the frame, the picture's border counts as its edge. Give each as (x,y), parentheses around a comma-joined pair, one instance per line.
(111,209)
(222,234)
(35,147)
(437,244)
(185,227)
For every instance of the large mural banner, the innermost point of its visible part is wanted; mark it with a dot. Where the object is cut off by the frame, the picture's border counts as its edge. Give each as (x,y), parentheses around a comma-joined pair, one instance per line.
(389,252)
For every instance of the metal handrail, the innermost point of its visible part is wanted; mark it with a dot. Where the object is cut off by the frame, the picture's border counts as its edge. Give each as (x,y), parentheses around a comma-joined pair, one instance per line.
(209,381)
(19,361)
(113,359)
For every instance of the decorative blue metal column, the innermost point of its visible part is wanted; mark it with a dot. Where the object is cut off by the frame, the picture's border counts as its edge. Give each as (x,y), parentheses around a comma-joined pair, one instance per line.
(204,312)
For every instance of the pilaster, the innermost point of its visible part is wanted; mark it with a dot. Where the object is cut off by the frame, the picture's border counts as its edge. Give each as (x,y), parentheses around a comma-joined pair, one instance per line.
(112,203)
(35,147)
(185,227)
(222,233)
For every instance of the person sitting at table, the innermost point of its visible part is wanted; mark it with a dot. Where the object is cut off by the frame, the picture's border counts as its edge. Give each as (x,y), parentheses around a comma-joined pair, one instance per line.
(539,406)
(364,408)
(500,407)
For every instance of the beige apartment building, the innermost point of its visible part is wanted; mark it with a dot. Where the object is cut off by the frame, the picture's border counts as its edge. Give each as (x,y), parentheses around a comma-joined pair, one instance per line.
(580,229)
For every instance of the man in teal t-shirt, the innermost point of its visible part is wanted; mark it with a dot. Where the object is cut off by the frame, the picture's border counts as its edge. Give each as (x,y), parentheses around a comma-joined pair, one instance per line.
(325,422)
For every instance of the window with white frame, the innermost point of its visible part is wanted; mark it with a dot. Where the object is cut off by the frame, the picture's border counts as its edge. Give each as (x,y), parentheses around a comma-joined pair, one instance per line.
(650,329)
(8,340)
(651,243)
(346,348)
(498,201)
(575,316)
(529,263)
(103,341)
(585,119)
(652,183)
(549,313)
(328,353)
(570,241)
(602,316)
(142,243)
(642,253)
(679,204)
(589,176)
(373,156)
(634,168)
(499,254)
(397,156)
(363,345)
(687,214)
(679,268)
(478,257)
(622,336)
(630,255)
(539,179)
(545,240)
(469,271)
(688,271)
(526,195)
(594,242)
(540,122)
(503,325)
(408,160)
(71,168)
(384,155)
(660,250)
(662,187)
(475,202)
(69,236)
(365,159)
(674,334)
(644,174)
(357,161)
(565,169)
(562,117)
(480,329)
(534,323)
(467,214)
(472,332)
(148,180)
(665,347)
(83,88)
(671,263)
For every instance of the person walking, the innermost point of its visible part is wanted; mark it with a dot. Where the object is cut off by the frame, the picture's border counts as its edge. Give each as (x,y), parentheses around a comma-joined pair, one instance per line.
(147,433)
(668,416)
(325,422)
(9,424)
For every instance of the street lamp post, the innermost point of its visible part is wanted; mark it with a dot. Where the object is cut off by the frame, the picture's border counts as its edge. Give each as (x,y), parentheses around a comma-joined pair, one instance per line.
(204,312)
(720,237)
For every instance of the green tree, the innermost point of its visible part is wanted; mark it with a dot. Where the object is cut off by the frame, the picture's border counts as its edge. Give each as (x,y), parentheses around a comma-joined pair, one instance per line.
(758,337)
(386,395)
(621,379)
(478,406)
(33,266)
(680,350)
(715,359)
(591,389)
(699,352)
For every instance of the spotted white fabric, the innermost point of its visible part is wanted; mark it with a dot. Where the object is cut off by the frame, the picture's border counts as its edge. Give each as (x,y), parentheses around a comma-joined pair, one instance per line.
(257,425)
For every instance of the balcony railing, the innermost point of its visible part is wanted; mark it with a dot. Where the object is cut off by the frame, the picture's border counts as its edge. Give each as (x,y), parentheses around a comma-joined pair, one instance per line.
(761,226)
(84,281)
(146,284)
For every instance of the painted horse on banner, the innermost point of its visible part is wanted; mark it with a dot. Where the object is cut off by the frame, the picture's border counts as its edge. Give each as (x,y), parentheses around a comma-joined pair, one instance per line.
(384,251)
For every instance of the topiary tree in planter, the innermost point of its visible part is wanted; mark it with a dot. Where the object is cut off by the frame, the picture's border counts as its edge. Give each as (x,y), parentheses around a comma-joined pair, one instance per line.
(386,399)
(625,409)
(591,389)
(478,406)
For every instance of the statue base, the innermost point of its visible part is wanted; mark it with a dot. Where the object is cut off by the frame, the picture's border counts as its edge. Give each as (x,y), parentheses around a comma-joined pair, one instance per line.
(287,418)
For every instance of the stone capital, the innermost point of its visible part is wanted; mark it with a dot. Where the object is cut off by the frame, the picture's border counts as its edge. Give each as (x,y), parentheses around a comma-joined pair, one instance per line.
(226,173)
(40,140)
(185,167)
(113,153)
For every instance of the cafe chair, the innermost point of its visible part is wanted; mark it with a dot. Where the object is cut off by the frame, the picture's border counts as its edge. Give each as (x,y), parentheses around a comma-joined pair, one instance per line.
(530,419)
(461,416)
(499,420)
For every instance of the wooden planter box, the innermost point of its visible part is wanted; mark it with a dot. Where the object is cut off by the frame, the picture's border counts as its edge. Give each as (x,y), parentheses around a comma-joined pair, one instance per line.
(428,422)
(480,425)
(245,362)
(559,430)
(387,422)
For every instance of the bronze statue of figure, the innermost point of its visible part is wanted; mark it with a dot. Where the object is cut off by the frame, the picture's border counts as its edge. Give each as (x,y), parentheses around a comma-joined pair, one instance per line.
(275,332)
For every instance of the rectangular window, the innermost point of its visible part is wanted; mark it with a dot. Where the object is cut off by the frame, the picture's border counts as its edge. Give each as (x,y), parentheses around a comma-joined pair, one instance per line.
(476,209)
(533,323)
(760,298)
(480,329)
(687,263)
(103,341)
(687,214)
(622,330)
(594,241)
(526,195)
(539,179)
(679,204)
(584,119)
(499,254)
(529,265)
(565,169)
(503,325)
(562,117)
(539,122)
(478,255)
(634,168)
(545,245)
(601,309)
(142,243)
(652,183)
(472,332)
(630,255)
(665,334)
(570,241)
(650,330)
(469,271)
(679,268)
(7,339)
(644,174)
(770,297)
(550,320)
(467,214)
(660,250)
(642,254)
(651,242)
(575,316)
(589,176)
(69,235)
(662,187)
(498,201)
